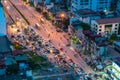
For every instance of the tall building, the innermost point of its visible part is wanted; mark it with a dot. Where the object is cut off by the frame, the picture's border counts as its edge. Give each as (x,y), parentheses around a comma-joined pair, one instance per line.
(118,8)
(36,2)
(95,5)
(4,42)
(2,21)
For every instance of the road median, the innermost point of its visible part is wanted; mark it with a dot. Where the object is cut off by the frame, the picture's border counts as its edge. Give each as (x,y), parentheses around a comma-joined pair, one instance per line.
(20,13)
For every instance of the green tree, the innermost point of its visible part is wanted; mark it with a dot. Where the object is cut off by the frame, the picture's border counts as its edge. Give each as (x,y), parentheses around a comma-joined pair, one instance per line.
(38,9)
(75,40)
(46,15)
(66,22)
(85,26)
(113,38)
(12,69)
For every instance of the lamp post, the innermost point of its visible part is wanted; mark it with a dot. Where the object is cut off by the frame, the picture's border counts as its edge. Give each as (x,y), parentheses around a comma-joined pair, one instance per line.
(62,15)
(5,1)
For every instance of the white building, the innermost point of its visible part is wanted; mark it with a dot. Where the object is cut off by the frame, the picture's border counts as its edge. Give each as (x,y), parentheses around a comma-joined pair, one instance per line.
(2,22)
(106,27)
(95,5)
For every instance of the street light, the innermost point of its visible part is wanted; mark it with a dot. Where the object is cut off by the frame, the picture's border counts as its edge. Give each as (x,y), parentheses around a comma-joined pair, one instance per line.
(5,1)
(62,15)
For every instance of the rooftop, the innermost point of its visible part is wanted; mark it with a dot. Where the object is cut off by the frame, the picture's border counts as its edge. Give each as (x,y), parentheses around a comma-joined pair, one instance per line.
(117,43)
(86,13)
(4,44)
(2,21)
(100,41)
(10,60)
(76,25)
(108,20)
(17,52)
(21,58)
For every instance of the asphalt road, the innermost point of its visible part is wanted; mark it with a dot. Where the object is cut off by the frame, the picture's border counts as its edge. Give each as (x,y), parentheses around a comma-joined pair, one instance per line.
(58,39)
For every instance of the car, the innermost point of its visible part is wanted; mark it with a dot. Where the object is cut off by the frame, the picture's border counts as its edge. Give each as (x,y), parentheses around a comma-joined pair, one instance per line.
(61,49)
(49,41)
(46,45)
(37,26)
(56,52)
(12,36)
(65,70)
(42,20)
(79,72)
(18,30)
(68,45)
(59,30)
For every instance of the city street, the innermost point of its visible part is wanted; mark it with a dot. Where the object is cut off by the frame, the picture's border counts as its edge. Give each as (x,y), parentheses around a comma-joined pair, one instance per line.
(57,39)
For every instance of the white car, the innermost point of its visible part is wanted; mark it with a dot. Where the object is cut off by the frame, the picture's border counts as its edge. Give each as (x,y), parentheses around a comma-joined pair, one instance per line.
(79,72)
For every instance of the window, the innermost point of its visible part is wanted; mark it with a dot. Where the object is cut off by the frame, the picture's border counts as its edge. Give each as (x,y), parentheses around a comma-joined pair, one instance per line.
(100,30)
(115,28)
(115,32)
(108,26)
(115,24)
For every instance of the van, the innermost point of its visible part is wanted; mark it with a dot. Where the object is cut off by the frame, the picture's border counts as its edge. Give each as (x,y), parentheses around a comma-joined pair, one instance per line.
(37,26)
(41,20)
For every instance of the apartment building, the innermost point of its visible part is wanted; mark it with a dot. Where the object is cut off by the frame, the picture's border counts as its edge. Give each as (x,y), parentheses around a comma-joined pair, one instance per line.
(95,5)
(4,42)
(95,44)
(106,27)
(118,8)
(43,2)
(86,15)
(2,21)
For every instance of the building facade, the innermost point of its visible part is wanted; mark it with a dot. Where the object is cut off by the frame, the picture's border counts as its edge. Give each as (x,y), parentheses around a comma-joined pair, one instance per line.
(86,15)
(118,8)
(95,5)
(95,45)
(2,21)
(106,27)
